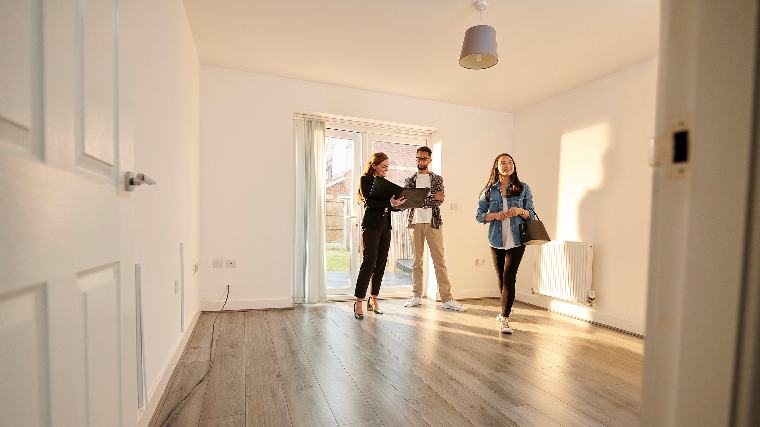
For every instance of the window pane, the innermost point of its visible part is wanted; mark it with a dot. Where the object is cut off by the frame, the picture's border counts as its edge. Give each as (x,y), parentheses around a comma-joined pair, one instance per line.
(339,163)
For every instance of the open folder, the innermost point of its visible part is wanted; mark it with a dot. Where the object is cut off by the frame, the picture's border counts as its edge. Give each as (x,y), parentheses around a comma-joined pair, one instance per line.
(384,189)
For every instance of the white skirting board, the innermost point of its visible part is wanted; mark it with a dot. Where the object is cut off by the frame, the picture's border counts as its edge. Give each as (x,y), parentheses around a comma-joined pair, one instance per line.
(154,395)
(260,304)
(383,296)
(588,314)
(458,295)
(247,304)
(475,293)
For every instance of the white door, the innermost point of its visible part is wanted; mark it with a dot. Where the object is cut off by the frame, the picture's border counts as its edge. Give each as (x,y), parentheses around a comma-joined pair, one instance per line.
(66,273)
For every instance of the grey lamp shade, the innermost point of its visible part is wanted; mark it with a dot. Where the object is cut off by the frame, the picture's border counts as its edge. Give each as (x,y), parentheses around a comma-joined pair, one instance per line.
(479,48)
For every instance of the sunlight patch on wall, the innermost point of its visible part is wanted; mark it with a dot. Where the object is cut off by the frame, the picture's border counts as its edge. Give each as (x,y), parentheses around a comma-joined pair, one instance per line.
(435,165)
(581,169)
(432,283)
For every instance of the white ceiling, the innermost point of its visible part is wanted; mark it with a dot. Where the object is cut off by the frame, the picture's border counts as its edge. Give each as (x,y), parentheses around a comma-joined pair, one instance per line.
(411,47)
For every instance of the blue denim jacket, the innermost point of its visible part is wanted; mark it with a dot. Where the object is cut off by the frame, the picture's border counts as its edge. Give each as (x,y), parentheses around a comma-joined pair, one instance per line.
(523,200)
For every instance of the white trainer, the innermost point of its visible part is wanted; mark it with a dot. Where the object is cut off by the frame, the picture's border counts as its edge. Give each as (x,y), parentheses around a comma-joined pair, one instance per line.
(413,302)
(453,305)
(504,325)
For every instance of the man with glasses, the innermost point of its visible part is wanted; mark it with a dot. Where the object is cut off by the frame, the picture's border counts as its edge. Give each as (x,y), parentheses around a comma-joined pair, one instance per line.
(425,224)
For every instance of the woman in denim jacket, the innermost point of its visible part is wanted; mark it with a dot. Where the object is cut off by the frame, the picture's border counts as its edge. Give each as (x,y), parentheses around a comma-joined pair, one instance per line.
(504,204)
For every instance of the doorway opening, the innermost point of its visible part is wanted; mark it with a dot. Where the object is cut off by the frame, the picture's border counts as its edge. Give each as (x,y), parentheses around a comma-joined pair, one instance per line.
(345,153)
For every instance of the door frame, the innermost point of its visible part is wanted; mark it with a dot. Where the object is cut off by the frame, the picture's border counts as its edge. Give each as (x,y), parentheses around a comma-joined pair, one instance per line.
(746,393)
(707,86)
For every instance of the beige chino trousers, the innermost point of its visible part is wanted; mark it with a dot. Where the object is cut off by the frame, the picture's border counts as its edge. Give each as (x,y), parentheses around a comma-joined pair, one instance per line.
(434,236)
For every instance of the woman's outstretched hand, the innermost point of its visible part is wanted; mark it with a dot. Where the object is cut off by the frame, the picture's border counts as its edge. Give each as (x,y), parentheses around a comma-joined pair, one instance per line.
(397,202)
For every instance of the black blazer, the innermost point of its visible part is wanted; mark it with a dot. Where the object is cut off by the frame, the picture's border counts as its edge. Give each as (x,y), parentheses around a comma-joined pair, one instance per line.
(373,208)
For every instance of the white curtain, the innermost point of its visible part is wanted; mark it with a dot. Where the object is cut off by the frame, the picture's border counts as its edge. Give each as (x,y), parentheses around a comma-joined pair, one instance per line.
(310,284)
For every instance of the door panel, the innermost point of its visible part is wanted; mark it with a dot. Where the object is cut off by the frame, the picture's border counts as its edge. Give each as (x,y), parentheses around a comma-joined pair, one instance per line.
(20,33)
(95,148)
(341,210)
(24,323)
(99,289)
(66,295)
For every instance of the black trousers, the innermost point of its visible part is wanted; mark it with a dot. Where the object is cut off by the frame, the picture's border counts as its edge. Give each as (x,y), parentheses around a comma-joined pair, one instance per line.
(376,242)
(506,262)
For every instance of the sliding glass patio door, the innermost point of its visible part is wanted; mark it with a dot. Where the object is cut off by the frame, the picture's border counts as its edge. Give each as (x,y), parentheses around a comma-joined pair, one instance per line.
(346,154)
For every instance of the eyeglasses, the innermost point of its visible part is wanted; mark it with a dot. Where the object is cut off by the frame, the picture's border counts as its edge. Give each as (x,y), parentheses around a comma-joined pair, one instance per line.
(422,159)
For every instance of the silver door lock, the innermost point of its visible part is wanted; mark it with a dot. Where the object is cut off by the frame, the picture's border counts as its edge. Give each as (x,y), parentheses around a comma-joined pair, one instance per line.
(132,180)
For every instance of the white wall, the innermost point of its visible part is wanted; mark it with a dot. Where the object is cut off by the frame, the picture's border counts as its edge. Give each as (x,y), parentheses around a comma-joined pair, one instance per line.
(585,155)
(161,86)
(247,178)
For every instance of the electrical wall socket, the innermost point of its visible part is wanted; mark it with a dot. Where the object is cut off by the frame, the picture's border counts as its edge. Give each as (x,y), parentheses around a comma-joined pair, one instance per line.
(480,261)
(230,263)
(218,263)
(196,267)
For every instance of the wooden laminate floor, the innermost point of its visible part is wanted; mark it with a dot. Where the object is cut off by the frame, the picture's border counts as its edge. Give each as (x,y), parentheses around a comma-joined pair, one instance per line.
(317,365)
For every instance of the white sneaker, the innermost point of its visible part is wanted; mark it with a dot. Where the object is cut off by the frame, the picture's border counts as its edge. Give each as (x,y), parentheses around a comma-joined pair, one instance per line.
(453,305)
(504,325)
(413,302)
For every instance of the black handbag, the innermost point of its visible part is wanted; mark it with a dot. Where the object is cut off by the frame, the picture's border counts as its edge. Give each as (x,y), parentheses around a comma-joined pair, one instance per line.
(533,232)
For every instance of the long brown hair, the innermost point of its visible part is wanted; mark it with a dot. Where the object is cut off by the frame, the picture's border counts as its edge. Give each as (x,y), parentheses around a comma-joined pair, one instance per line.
(514,187)
(374,160)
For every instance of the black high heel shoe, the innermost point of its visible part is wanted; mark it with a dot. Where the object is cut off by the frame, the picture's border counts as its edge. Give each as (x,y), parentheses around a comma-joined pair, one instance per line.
(358,315)
(371,307)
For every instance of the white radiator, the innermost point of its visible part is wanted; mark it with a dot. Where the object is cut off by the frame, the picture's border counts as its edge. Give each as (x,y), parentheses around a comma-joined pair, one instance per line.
(563,270)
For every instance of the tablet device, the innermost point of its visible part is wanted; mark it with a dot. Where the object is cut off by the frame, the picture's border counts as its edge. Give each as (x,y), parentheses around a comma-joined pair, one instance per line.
(415,197)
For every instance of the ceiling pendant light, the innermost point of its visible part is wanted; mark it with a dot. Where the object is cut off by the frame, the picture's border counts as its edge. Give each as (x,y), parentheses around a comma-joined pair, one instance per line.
(479,46)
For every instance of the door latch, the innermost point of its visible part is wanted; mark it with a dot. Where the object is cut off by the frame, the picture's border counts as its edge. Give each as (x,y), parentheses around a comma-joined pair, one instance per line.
(132,180)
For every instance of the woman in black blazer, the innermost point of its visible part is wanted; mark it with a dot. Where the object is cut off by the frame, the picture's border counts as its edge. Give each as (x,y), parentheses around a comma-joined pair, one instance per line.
(376,234)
